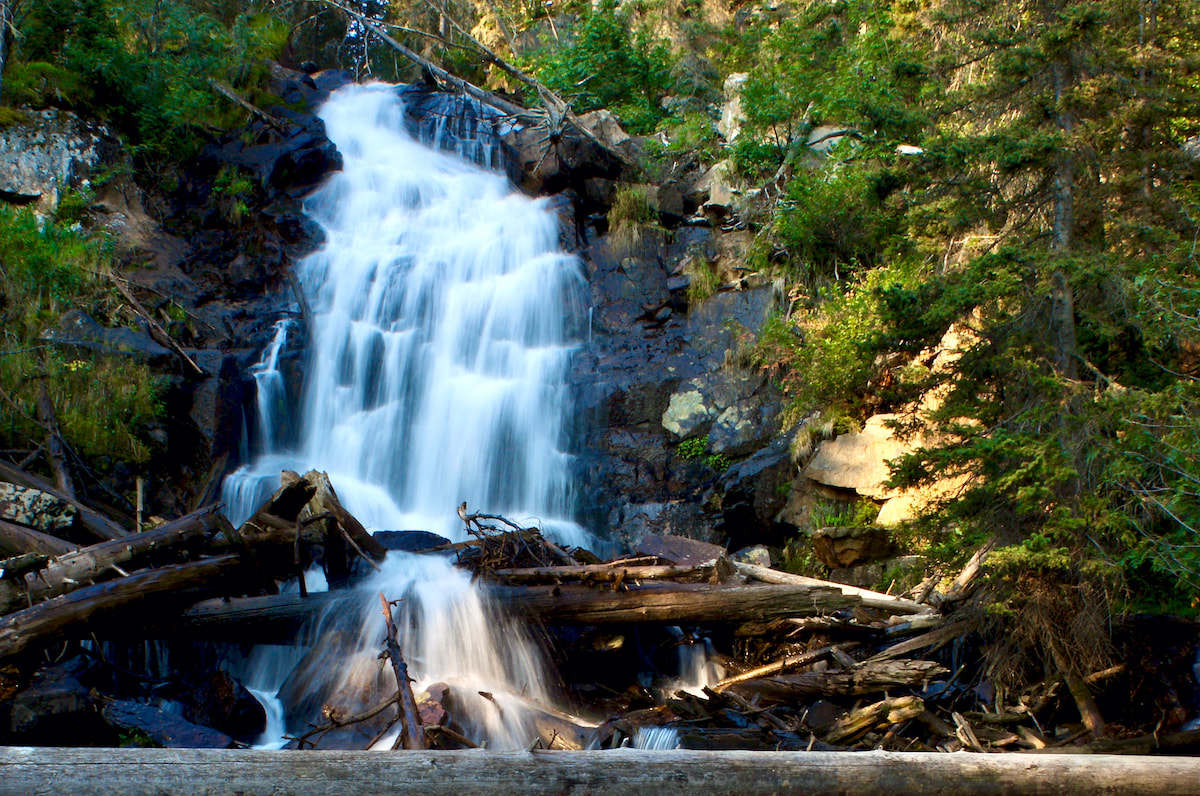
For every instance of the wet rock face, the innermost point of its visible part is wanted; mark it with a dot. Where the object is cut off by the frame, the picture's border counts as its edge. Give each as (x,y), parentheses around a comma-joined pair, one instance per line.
(654,372)
(54,148)
(222,703)
(57,707)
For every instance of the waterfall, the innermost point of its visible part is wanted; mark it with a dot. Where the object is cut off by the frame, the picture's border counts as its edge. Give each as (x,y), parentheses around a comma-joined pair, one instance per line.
(445,317)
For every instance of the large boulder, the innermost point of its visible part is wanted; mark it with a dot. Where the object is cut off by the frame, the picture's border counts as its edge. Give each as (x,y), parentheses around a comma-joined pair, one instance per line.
(859,460)
(291,156)
(53,149)
(841,547)
(56,708)
(34,508)
(141,721)
(732,113)
(222,703)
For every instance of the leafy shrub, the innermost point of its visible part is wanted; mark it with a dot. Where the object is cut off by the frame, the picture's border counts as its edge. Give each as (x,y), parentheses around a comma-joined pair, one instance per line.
(606,65)
(103,404)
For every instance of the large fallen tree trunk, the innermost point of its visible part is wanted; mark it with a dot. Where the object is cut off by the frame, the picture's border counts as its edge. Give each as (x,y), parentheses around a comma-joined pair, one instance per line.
(672,603)
(91,521)
(277,618)
(77,569)
(870,599)
(49,620)
(17,539)
(619,772)
(866,679)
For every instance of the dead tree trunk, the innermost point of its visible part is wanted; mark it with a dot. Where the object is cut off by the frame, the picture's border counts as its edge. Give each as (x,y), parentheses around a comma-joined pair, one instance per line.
(411,734)
(55,450)
(75,570)
(17,539)
(49,620)
(672,603)
(619,772)
(276,618)
(869,678)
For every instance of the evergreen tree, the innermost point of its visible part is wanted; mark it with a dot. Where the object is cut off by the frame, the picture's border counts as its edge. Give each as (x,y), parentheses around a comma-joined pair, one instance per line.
(1061,131)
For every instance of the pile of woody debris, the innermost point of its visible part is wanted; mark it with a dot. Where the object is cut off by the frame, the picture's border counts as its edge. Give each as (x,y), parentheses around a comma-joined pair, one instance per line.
(793,663)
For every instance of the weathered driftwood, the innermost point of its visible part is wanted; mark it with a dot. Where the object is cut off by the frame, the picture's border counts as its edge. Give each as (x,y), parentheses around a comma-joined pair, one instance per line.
(672,602)
(277,618)
(596,573)
(325,500)
(411,734)
(866,679)
(91,521)
(77,569)
(774,667)
(870,599)
(16,540)
(619,772)
(934,637)
(48,620)
(281,509)
(859,722)
(56,451)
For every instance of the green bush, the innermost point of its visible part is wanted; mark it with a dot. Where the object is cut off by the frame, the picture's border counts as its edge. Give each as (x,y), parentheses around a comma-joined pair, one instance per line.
(141,65)
(606,65)
(102,404)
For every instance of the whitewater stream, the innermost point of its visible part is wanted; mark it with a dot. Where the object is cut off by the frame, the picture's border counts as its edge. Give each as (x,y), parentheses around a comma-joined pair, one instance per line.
(444,321)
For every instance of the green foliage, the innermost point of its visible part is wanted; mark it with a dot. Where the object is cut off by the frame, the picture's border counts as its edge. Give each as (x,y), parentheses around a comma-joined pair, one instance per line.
(142,65)
(42,85)
(607,65)
(693,448)
(102,404)
(831,221)
(630,205)
(844,514)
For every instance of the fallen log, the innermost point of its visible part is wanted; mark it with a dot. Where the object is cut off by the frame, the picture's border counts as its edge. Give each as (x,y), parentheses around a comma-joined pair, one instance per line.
(774,667)
(595,573)
(619,772)
(411,734)
(17,540)
(77,569)
(866,679)
(47,621)
(325,500)
(56,450)
(276,619)
(91,521)
(671,603)
(859,722)
(869,599)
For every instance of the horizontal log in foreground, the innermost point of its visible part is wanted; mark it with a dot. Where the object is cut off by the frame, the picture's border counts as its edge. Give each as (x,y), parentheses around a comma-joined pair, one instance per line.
(276,619)
(225,772)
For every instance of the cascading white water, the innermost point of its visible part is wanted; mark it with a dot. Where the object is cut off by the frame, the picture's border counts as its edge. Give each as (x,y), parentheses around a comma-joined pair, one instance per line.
(443,311)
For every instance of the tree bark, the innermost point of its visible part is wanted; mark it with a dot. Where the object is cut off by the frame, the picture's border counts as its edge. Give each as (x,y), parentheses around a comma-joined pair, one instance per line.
(411,734)
(277,618)
(17,539)
(55,450)
(869,678)
(870,599)
(51,619)
(75,570)
(618,772)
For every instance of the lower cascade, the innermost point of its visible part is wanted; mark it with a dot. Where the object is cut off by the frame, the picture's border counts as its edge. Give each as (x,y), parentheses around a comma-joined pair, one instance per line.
(444,316)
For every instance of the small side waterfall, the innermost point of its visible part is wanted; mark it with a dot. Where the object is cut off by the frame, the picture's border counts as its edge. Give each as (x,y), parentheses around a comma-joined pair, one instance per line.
(445,317)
